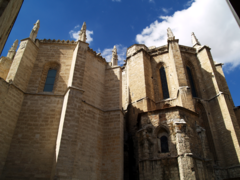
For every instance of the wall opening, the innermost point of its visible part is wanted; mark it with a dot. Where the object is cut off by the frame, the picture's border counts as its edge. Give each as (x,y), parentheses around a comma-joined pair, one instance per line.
(164,83)
(192,84)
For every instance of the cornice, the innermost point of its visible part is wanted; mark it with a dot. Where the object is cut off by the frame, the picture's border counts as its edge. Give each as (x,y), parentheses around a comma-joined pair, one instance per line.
(140,50)
(159,50)
(54,41)
(98,55)
(187,49)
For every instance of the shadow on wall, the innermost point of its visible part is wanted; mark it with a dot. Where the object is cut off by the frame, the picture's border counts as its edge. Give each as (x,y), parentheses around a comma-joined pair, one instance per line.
(32,149)
(223,138)
(220,140)
(131,170)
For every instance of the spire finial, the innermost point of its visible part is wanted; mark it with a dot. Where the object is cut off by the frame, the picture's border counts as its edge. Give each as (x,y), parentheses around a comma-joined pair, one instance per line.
(12,50)
(82,34)
(170,34)
(114,57)
(195,40)
(34,31)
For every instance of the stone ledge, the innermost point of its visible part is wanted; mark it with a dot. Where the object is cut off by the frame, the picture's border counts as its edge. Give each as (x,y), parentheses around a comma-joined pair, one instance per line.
(161,158)
(98,55)
(57,41)
(176,108)
(187,49)
(158,50)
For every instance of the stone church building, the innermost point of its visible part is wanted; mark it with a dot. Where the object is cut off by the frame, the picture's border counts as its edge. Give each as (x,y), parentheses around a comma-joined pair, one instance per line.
(67,114)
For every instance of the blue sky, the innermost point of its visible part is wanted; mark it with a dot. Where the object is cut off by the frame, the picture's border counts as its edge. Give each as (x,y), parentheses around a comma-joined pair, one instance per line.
(126,22)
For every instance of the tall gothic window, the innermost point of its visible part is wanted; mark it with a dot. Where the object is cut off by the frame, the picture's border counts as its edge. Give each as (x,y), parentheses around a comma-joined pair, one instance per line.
(164,83)
(164,144)
(190,77)
(50,80)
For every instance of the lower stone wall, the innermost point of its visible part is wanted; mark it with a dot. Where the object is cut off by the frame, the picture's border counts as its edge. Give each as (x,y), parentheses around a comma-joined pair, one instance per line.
(112,164)
(10,104)
(5,64)
(237,113)
(80,140)
(164,169)
(230,173)
(234,172)
(32,151)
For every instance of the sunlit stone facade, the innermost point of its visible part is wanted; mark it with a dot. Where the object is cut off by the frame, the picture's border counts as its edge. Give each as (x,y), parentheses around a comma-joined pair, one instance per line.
(66,113)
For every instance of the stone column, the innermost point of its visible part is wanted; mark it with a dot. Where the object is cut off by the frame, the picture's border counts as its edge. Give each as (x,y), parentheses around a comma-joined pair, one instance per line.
(227,134)
(67,144)
(176,57)
(185,161)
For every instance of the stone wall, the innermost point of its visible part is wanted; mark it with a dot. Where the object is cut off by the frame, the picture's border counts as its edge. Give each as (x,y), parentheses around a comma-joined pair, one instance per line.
(112,99)
(60,54)
(32,151)
(10,104)
(76,130)
(157,62)
(209,80)
(187,142)
(237,113)
(7,19)
(5,64)
(164,169)
(112,157)
(93,80)
(22,66)
(125,95)
(190,60)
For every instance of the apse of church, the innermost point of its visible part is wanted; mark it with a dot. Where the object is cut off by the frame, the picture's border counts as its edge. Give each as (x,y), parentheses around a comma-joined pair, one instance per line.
(66,113)
(181,122)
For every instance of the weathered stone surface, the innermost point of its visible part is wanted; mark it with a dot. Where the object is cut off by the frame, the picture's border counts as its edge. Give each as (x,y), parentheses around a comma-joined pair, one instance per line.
(34,31)
(101,117)
(206,146)
(9,12)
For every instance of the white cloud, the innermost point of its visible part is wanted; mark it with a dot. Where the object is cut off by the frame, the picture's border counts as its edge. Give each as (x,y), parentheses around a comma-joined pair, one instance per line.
(212,22)
(121,51)
(152,1)
(116,0)
(166,10)
(189,3)
(89,38)
(77,26)
(75,33)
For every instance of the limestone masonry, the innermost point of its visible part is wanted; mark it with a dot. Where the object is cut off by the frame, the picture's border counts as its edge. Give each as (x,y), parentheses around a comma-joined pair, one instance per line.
(67,114)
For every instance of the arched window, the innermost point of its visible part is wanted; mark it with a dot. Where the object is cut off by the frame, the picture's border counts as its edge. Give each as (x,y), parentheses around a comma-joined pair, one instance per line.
(164,144)
(50,80)
(164,83)
(190,77)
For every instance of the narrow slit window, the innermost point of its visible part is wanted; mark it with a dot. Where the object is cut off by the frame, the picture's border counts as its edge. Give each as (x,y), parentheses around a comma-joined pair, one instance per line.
(193,89)
(164,83)
(164,144)
(50,80)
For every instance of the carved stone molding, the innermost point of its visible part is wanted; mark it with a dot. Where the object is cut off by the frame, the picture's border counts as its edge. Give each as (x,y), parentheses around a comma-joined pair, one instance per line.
(57,41)
(187,49)
(158,50)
